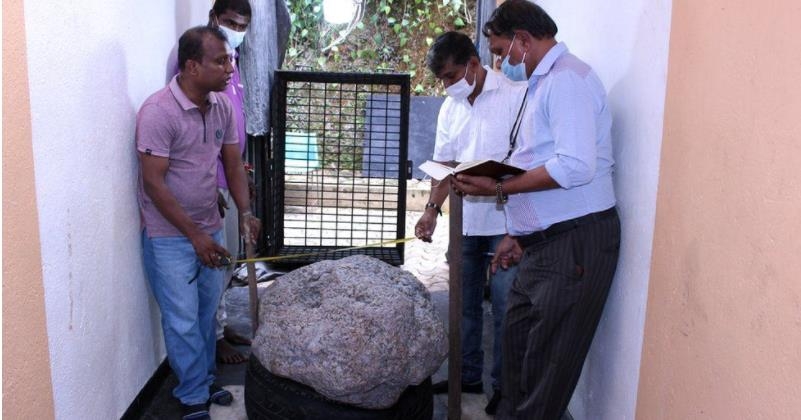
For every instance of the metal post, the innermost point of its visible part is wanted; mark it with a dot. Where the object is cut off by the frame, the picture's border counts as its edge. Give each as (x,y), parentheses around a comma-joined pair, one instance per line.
(252,288)
(455,308)
(484,9)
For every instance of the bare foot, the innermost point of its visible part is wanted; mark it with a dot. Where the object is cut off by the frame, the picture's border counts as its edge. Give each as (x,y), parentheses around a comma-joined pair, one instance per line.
(227,354)
(232,337)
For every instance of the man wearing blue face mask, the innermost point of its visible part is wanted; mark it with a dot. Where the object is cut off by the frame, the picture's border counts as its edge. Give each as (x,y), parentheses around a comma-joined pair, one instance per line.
(475,122)
(563,227)
(516,72)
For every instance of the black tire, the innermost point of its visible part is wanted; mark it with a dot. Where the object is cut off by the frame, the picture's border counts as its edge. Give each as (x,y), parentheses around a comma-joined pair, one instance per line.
(271,397)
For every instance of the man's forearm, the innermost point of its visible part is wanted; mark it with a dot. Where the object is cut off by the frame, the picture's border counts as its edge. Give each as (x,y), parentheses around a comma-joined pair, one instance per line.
(238,186)
(235,176)
(249,225)
(536,179)
(439,190)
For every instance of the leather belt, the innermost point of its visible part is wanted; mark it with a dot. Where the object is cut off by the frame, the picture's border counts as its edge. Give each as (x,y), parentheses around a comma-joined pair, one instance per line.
(555,229)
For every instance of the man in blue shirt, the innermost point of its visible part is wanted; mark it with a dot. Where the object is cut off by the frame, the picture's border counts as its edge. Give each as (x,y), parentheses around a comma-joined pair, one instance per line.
(563,228)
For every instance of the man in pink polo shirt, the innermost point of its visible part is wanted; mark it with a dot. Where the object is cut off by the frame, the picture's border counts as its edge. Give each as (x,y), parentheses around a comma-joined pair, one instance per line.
(180,132)
(232,18)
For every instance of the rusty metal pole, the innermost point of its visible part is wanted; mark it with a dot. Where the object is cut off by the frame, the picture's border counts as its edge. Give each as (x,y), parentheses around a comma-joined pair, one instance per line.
(455,307)
(252,288)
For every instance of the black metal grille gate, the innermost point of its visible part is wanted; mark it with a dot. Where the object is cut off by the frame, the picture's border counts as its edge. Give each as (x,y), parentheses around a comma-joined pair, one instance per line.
(339,166)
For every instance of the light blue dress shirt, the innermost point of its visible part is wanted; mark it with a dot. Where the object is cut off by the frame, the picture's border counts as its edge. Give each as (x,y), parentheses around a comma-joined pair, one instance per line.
(567,128)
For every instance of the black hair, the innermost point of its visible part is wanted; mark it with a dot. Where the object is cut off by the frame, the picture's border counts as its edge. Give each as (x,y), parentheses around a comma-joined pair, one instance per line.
(513,15)
(190,45)
(241,7)
(455,47)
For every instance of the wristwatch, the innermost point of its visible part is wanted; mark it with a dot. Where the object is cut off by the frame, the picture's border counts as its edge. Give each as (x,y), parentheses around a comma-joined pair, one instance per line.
(500,197)
(434,206)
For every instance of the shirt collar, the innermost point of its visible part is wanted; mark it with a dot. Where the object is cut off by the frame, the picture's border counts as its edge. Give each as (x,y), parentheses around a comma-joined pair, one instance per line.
(491,82)
(549,59)
(181,97)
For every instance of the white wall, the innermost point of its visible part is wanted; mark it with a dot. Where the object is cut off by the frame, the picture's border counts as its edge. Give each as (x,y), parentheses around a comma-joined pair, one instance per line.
(626,42)
(91,64)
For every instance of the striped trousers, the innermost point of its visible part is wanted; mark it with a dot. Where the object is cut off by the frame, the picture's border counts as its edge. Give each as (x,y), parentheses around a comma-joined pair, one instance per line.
(553,309)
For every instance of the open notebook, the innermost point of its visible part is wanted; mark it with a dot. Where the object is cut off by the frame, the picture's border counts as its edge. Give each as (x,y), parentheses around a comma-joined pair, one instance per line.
(486,167)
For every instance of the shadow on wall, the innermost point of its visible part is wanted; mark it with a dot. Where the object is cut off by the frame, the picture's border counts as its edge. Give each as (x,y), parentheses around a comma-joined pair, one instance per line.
(119,157)
(110,308)
(611,371)
(186,12)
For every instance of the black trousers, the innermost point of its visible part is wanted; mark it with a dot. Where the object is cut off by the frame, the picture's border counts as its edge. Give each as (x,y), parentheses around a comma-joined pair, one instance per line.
(553,309)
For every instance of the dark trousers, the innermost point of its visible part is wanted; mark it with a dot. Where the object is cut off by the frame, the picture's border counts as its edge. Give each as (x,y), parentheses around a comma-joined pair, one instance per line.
(553,309)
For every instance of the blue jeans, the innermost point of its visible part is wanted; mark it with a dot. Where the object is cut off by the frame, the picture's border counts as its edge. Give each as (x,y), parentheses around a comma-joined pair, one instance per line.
(187,293)
(474,273)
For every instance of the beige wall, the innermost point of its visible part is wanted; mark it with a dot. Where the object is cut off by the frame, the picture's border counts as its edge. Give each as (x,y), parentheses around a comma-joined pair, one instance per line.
(27,389)
(723,324)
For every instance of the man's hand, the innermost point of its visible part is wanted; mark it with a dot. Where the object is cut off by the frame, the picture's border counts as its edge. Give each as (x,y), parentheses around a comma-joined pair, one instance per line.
(425,226)
(249,226)
(210,253)
(507,254)
(474,185)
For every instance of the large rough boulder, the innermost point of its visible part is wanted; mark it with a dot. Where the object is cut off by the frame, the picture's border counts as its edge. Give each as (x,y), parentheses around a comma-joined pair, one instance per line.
(357,330)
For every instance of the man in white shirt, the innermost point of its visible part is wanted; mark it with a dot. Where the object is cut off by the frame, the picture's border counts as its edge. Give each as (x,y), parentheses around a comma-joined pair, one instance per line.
(476,121)
(563,226)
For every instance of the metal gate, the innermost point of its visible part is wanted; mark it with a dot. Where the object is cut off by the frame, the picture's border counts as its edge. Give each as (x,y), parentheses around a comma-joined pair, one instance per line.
(339,166)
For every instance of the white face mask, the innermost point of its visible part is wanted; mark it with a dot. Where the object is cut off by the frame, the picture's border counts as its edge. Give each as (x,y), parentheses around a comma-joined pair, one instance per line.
(461,89)
(234,38)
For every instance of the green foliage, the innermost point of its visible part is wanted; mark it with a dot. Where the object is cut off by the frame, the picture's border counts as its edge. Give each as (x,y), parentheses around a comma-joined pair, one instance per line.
(338,129)
(393,35)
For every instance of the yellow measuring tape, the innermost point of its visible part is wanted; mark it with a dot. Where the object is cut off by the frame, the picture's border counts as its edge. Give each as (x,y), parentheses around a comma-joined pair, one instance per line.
(286,257)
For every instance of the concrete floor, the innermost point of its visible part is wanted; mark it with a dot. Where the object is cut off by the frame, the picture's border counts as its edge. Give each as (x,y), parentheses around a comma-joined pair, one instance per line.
(426,261)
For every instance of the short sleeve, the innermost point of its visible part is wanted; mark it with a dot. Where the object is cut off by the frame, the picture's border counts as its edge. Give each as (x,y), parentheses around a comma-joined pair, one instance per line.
(154,132)
(443,144)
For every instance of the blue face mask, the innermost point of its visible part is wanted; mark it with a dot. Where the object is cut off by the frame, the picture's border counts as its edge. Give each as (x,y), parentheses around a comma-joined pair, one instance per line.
(515,72)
